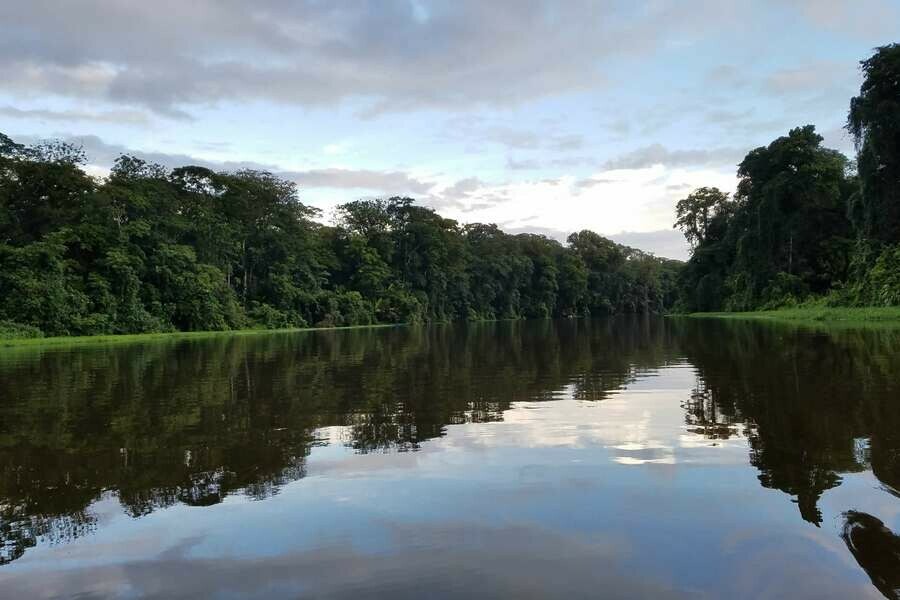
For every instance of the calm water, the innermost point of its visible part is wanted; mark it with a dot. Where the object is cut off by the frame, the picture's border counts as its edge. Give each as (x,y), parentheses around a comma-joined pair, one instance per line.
(616,459)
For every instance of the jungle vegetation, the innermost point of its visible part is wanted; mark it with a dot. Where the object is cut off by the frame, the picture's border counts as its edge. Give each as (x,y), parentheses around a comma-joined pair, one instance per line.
(806,224)
(150,249)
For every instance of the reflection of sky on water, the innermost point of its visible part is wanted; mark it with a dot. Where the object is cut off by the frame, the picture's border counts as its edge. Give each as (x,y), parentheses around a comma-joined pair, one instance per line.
(560,498)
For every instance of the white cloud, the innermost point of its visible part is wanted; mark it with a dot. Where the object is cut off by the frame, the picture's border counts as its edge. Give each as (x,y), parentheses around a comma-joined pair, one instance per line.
(620,200)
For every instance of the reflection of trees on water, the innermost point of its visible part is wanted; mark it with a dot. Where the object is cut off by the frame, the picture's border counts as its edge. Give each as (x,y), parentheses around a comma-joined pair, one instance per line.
(192,422)
(704,416)
(20,530)
(816,405)
(876,549)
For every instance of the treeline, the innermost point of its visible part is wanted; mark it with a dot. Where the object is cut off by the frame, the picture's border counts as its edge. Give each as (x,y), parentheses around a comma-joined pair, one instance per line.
(149,249)
(805,224)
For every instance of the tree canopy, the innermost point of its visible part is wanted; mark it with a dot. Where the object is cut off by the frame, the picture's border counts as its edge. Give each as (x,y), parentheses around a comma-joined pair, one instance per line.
(155,249)
(803,222)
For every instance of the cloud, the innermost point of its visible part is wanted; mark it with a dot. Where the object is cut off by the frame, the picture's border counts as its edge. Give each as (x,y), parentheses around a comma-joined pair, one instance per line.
(102,154)
(657,154)
(170,57)
(573,161)
(123,117)
(607,202)
(668,243)
(464,187)
(567,142)
(559,235)
(465,196)
(860,18)
(728,76)
(839,138)
(512,138)
(392,182)
(591,182)
(477,130)
(728,117)
(565,162)
(811,78)
(522,165)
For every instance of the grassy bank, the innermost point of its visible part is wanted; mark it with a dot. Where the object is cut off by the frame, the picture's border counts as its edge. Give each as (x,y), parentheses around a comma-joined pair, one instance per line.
(151,337)
(818,314)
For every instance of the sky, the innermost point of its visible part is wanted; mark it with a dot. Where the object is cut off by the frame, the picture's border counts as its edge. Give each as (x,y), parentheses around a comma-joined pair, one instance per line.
(545,116)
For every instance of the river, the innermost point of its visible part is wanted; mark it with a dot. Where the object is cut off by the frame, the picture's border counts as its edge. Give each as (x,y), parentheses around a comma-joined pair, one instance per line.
(618,458)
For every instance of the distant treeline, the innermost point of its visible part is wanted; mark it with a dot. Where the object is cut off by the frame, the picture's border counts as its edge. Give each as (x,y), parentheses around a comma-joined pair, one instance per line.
(806,224)
(150,249)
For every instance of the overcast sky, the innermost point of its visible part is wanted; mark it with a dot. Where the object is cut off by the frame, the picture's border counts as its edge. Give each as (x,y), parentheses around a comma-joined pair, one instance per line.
(545,116)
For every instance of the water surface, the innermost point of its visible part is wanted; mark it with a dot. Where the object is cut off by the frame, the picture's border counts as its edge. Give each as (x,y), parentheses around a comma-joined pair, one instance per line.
(591,458)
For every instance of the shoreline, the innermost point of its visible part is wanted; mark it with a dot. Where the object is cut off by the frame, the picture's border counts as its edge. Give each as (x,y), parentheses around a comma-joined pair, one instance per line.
(104,339)
(886,315)
(865,316)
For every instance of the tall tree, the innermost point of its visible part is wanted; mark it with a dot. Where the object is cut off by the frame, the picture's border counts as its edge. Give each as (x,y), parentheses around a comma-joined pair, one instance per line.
(695,213)
(874,122)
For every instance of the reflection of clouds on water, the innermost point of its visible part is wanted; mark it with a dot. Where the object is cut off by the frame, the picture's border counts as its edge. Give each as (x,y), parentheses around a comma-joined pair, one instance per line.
(640,424)
(585,444)
(464,559)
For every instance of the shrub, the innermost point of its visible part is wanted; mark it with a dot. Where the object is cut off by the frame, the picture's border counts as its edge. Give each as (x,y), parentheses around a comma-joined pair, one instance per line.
(269,317)
(10,330)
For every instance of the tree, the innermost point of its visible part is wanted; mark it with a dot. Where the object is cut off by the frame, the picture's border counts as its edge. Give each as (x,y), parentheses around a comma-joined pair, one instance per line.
(791,201)
(695,213)
(150,248)
(874,122)
(784,236)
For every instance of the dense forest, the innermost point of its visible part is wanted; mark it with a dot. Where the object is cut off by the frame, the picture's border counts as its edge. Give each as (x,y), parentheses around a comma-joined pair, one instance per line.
(150,249)
(805,224)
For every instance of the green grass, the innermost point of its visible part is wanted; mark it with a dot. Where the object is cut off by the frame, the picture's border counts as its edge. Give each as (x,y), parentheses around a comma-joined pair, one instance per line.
(818,314)
(152,337)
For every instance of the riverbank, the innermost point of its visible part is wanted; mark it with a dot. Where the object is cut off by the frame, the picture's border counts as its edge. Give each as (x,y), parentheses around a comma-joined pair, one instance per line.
(170,336)
(813,314)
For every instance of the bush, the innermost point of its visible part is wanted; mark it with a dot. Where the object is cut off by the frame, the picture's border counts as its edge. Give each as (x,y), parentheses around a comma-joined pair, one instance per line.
(10,330)
(269,317)
(338,309)
(38,290)
(784,290)
(398,306)
(883,279)
(875,278)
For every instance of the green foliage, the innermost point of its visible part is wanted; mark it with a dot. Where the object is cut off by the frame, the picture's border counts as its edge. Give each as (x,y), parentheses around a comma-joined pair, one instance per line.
(803,224)
(878,278)
(263,316)
(396,305)
(784,237)
(39,289)
(884,278)
(341,309)
(696,213)
(10,330)
(154,250)
(874,122)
